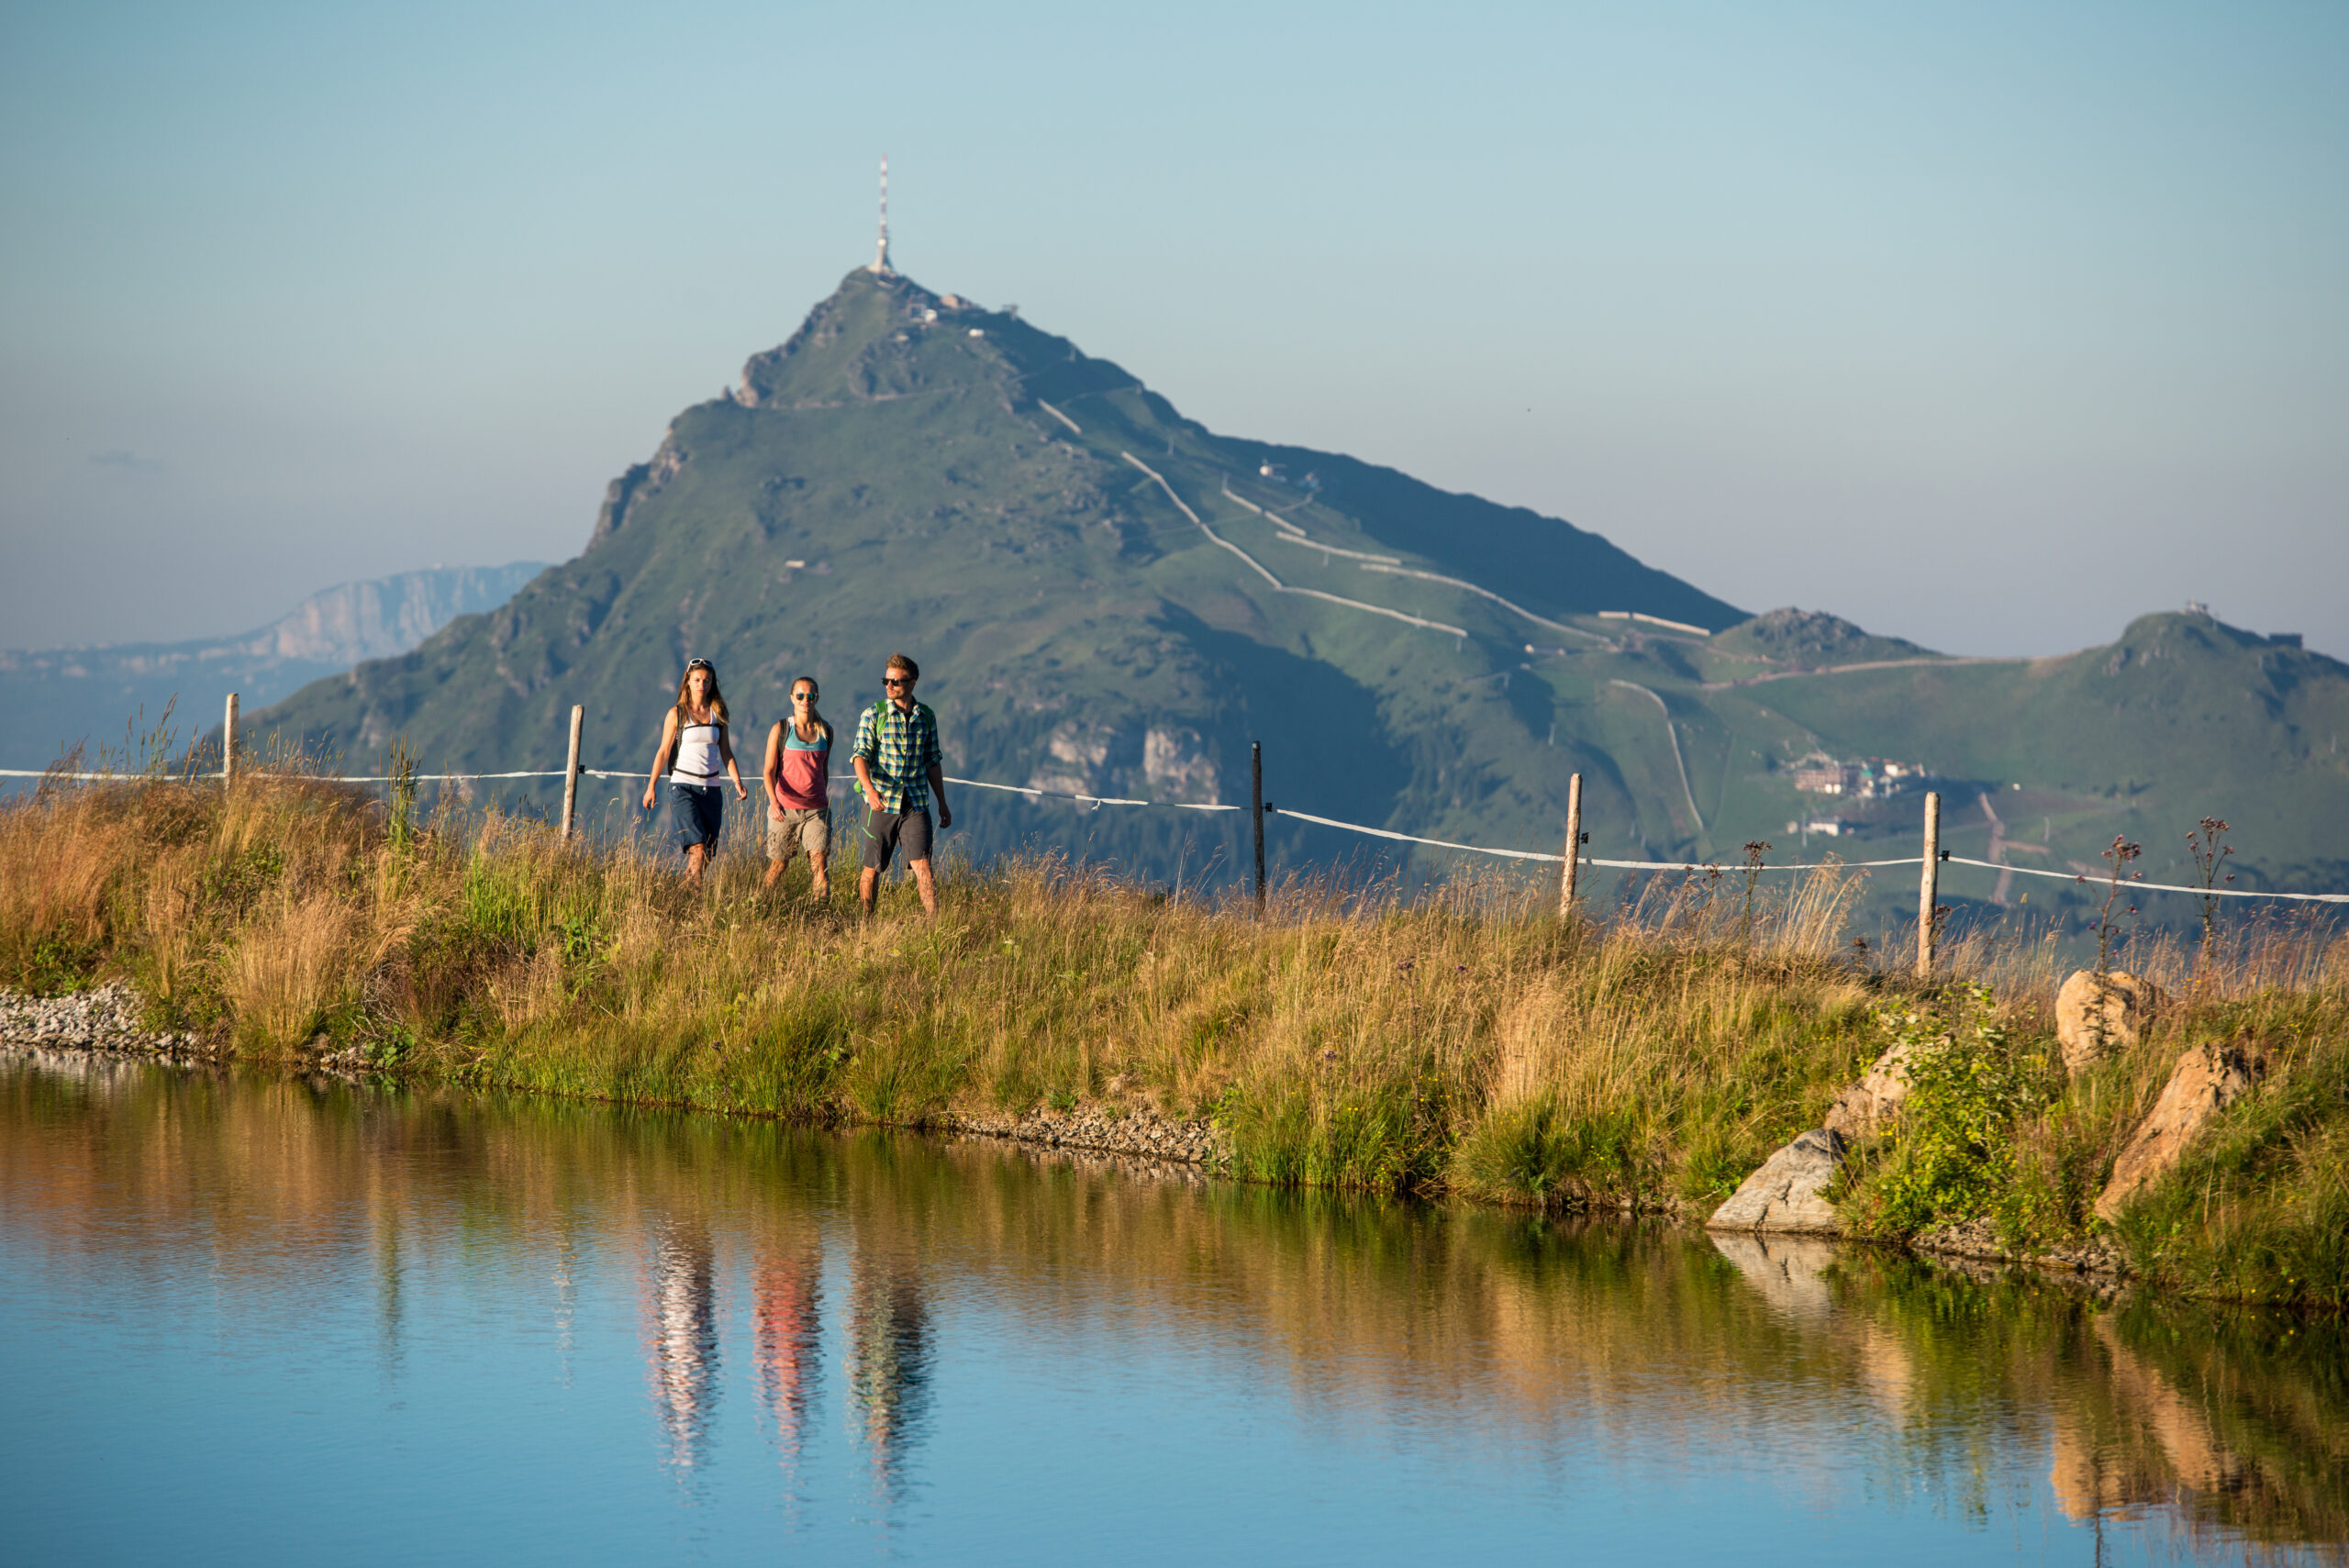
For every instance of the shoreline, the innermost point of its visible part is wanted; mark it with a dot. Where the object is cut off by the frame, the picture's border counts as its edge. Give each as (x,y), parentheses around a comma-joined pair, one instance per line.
(104,1022)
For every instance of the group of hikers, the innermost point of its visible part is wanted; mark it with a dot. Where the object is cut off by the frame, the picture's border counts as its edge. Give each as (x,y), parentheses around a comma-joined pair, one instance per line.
(899,771)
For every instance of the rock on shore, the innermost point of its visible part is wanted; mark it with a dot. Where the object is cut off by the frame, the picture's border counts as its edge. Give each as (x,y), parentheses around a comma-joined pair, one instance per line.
(2206,1081)
(2096,1018)
(1787,1192)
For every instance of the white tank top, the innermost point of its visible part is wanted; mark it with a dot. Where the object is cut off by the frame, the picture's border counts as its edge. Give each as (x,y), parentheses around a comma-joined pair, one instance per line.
(697,760)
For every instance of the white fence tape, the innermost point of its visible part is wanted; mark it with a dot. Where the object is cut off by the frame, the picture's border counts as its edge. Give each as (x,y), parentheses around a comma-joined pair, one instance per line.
(1097,801)
(1586,860)
(2092,880)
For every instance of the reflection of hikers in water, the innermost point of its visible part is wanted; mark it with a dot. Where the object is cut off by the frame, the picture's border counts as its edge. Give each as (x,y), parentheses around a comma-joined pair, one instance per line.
(680,1335)
(785,1326)
(888,1370)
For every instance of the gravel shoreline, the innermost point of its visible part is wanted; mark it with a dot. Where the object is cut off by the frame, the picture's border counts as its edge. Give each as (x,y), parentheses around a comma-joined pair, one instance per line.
(106,1021)
(107,1018)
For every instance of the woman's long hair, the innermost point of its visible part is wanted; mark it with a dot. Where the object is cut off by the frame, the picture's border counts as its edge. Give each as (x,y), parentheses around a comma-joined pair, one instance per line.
(822,724)
(684,695)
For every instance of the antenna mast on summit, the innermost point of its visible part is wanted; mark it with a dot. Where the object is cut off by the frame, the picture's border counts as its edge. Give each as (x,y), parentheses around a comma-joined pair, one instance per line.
(881,256)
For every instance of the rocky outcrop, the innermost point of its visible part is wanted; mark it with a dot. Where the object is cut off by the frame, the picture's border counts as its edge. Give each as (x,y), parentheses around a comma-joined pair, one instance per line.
(2207,1079)
(1866,1109)
(1161,762)
(1787,1192)
(2094,1019)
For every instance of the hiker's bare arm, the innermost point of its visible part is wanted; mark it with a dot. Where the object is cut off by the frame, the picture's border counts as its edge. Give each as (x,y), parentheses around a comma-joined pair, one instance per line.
(660,756)
(726,749)
(938,793)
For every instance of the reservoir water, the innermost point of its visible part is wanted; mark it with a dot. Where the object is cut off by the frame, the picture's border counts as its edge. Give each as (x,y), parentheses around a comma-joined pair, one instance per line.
(256,1319)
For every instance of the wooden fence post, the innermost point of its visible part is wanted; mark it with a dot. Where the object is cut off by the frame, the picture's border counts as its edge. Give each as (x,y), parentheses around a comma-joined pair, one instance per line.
(1256,815)
(571,770)
(1929,885)
(1573,846)
(228,743)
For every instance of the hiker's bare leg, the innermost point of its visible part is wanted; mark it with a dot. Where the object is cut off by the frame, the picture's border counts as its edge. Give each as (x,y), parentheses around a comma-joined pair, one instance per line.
(928,886)
(821,884)
(868,885)
(775,865)
(695,858)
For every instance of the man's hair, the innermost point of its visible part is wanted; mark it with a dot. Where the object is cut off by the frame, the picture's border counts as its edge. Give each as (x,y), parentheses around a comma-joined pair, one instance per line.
(899,662)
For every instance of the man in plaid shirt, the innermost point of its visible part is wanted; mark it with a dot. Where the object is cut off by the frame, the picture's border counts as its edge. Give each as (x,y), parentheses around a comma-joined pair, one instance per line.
(899,770)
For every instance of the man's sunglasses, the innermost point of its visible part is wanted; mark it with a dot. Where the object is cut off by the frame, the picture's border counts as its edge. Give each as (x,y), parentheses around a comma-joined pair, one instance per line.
(893,681)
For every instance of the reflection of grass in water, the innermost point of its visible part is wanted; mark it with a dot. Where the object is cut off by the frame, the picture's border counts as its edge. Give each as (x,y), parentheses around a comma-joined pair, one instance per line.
(1358,1303)
(1467,1040)
(2239,1418)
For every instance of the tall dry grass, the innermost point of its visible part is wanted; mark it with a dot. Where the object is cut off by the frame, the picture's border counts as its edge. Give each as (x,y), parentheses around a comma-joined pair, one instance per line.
(1466,1038)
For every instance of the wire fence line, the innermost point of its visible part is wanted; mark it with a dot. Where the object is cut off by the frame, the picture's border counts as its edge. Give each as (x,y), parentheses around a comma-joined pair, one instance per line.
(1099,800)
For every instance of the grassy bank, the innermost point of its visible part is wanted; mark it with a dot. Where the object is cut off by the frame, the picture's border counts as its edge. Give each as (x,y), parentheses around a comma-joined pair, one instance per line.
(1468,1041)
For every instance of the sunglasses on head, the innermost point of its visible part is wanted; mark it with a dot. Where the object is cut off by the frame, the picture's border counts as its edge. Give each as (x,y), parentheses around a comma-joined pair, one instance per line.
(693,665)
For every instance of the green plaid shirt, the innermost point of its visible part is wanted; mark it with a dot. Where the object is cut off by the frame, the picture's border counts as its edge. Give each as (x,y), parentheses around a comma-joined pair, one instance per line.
(899,750)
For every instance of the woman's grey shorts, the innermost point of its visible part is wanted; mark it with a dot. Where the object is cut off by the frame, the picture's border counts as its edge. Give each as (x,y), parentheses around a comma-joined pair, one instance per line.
(695,812)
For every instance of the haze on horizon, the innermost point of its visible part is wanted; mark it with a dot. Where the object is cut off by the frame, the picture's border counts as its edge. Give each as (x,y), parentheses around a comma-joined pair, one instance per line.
(1989,331)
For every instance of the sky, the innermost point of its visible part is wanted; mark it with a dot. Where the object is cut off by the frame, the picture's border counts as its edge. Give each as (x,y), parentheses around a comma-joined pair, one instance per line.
(1991,327)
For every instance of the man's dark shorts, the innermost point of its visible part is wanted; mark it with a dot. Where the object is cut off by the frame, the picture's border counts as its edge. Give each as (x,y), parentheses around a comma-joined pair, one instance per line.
(695,813)
(886,833)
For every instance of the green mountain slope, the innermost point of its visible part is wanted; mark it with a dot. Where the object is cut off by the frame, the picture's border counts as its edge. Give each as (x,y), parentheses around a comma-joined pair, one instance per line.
(1109,599)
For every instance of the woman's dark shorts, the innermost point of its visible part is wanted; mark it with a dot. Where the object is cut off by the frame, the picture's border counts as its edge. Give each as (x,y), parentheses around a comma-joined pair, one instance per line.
(695,813)
(885,832)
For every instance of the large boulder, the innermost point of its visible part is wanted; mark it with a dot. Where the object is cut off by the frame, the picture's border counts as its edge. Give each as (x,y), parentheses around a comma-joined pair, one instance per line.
(1867,1107)
(2095,1017)
(1784,1194)
(2207,1080)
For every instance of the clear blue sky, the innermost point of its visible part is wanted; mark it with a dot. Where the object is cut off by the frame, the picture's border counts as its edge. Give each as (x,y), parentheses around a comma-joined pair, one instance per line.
(1991,326)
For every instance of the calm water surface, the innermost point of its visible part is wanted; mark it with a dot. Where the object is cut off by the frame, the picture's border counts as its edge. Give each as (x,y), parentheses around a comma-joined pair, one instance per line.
(246,1318)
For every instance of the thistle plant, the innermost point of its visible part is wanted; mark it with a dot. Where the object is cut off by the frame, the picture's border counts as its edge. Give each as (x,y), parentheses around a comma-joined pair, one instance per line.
(2121,854)
(1754,850)
(2205,851)
(403,820)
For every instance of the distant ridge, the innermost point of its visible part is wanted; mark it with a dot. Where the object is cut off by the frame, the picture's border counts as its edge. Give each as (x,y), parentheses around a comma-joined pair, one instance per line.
(51,698)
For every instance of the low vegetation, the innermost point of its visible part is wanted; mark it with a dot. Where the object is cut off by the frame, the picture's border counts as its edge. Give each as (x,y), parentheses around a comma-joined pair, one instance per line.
(1466,1041)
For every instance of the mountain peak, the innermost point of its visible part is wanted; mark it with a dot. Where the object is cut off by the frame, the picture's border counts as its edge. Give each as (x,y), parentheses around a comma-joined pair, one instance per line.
(878,334)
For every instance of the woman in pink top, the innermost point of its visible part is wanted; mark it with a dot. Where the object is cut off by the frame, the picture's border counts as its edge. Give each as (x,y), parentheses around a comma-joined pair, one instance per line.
(799,811)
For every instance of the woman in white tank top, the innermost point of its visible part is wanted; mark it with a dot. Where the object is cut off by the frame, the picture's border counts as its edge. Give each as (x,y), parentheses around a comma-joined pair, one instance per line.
(695,752)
